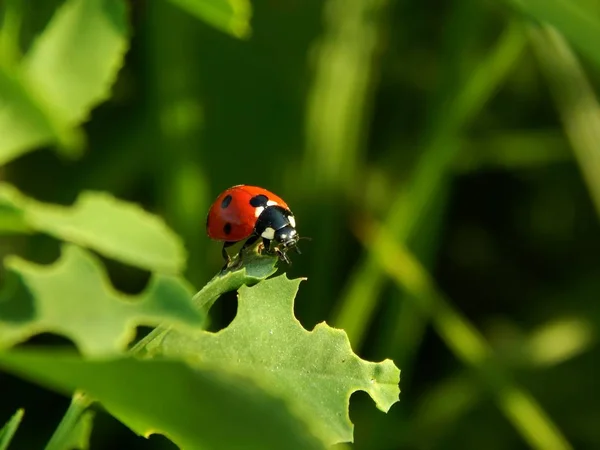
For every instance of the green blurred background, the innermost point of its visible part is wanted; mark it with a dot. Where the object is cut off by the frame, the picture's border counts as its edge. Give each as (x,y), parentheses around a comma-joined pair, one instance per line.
(460,128)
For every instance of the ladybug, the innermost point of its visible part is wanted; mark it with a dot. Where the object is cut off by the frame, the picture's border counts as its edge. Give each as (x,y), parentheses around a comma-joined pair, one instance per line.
(251,212)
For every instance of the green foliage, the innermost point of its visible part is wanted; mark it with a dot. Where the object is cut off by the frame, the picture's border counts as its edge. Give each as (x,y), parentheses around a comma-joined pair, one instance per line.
(256,268)
(42,101)
(265,343)
(25,121)
(115,228)
(232,16)
(572,18)
(10,428)
(196,407)
(300,398)
(73,297)
(460,148)
(88,36)
(317,370)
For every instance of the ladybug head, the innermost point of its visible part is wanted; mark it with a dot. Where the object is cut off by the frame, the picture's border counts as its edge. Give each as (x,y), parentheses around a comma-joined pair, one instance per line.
(285,239)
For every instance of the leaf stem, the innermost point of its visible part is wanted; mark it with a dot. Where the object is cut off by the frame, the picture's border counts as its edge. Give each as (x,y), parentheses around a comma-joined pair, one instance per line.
(80,402)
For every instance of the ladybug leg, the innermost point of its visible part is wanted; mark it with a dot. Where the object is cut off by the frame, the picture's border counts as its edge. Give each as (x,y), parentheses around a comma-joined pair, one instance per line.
(250,242)
(224,252)
(267,245)
(282,255)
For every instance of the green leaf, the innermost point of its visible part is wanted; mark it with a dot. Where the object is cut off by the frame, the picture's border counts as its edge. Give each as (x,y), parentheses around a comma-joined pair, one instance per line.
(231,16)
(195,408)
(255,269)
(69,70)
(10,428)
(315,371)
(25,121)
(579,25)
(76,59)
(115,228)
(74,298)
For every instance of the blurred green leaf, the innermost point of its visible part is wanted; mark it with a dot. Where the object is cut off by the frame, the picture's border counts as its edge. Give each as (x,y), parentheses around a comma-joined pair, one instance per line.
(75,61)
(69,70)
(10,428)
(316,371)
(115,228)
(74,298)
(195,408)
(231,16)
(26,121)
(580,25)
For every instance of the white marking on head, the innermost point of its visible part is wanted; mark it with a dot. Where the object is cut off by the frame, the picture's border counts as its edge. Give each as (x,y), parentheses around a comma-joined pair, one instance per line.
(272,203)
(269,233)
(258,211)
(292,221)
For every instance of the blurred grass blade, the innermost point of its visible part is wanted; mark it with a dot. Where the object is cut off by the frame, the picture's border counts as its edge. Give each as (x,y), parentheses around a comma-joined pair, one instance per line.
(10,28)
(580,25)
(575,100)
(80,437)
(231,16)
(337,111)
(463,339)
(410,207)
(176,112)
(10,428)
(514,150)
(340,94)
(440,408)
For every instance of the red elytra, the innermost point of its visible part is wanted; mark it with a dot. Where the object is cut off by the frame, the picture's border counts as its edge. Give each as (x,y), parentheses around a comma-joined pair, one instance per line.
(238,212)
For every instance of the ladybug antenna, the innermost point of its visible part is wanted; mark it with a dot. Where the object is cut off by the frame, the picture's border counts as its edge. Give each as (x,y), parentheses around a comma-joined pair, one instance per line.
(304,237)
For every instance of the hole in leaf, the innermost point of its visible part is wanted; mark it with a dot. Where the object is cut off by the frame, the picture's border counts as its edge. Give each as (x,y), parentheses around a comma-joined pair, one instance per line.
(16,302)
(223,312)
(140,332)
(37,248)
(48,340)
(107,431)
(125,278)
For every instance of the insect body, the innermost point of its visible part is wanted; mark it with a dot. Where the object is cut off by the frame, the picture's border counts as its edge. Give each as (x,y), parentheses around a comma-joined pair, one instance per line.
(251,212)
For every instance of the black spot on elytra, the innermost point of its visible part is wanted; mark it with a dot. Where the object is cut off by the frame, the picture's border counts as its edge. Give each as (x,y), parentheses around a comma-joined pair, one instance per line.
(227,228)
(226,201)
(259,200)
